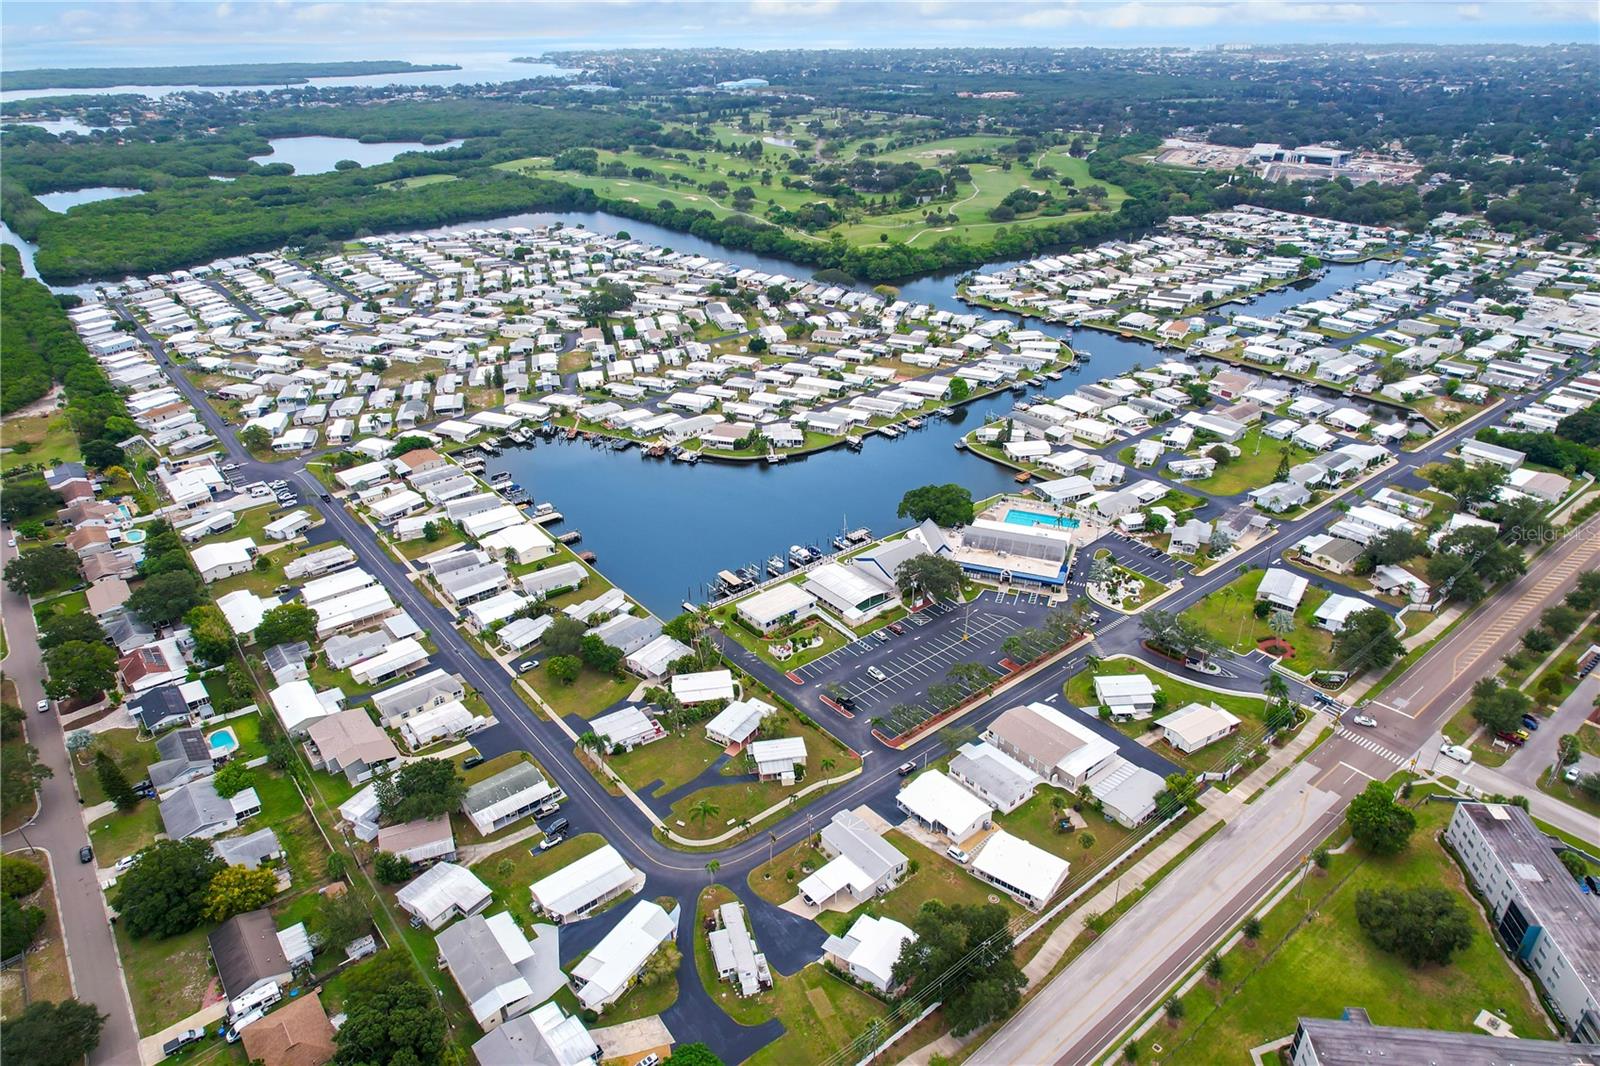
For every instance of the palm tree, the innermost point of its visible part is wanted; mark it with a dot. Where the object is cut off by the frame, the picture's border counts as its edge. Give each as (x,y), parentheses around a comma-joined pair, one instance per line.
(1281,623)
(703,810)
(711,869)
(1275,687)
(825,765)
(591,742)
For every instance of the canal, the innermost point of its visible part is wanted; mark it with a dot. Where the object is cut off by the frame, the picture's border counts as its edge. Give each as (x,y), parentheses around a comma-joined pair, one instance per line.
(661,529)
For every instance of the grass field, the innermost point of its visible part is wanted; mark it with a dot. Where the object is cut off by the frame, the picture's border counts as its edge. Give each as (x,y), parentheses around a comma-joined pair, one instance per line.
(1229,615)
(586,697)
(673,760)
(417,182)
(46,439)
(130,754)
(1080,689)
(1313,960)
(1257,463)
(44,968)
(510,871)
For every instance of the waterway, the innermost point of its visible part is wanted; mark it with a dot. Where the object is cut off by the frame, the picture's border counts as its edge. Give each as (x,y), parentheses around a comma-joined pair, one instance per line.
(476,70)
(66,201)
(317,155)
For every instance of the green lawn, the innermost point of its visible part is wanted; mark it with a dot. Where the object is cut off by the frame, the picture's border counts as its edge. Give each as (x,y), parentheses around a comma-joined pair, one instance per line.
(673,760)
(510,871)
(131,755)
(745,797)
(1254,467)
(118,835)
(826,638)
(1229,615)
(644,999)
(1327,964)
(167,978)
(586,697)
(1036,822)
(1080,689)
(46,439)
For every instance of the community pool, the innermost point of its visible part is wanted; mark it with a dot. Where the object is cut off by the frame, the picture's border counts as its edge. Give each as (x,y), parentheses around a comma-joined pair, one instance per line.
(1017,517)
(222,742)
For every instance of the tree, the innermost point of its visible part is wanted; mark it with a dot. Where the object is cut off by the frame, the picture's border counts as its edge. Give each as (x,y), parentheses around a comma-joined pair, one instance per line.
(962,954)
(948,505)
(959,390)
(696,1054)
(164,892)
(390,1017)
(1498,708)
(408,443)
(114,783)
(391,869)
(57,629)
(21,773)
(233,778)
(19,877)
(1472,560)
(1367,641)
(1470,485)
(1177,636)
(564,669)
(1281,623)
(255,438)
(1282,472)
(42,570)
(1377,822)
(929,576)
(1251,928)
(52,1034)
(82,671)
(600,656)
(1575,864)
(27,499)
(238,890)
(213,638)
(703,810)
(1568,749)
(1421,925)
(1214,967)
(1154,523)
(426,788)
(164,598)
(342,918)
(564,635)
(19,926)
(1395,546)
(287,624)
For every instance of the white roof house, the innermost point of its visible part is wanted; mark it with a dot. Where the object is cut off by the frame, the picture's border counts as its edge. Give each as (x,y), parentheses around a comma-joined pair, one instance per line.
(580,886)
(298,705)
(738,721)
(224,559)
(1025,871)
(1195,725)
(1060,749)
(862,863)
(870,949)
(627,728)
(942,806)
(441,892)
(1336,610)
(501,973)
(1282,587)
(777,606)
(1126,694)
(605,973)
(778,758)
(547,1036)
(703,687)
(734,954)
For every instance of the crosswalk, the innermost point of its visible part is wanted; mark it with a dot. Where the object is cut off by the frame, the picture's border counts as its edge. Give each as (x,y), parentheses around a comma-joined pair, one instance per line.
(1361,740)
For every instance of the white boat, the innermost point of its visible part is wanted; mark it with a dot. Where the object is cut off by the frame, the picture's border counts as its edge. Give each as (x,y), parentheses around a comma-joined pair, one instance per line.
(798,555)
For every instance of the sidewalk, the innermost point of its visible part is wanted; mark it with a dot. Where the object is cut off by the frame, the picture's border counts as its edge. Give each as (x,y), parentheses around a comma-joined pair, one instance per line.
(1219,808)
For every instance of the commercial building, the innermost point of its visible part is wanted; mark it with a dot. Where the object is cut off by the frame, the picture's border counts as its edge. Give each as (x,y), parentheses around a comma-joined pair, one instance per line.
(1535,906)
(777,606)
(1354,1041)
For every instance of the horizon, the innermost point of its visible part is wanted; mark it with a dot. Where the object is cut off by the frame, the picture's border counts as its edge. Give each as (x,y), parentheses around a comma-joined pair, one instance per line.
(143,33)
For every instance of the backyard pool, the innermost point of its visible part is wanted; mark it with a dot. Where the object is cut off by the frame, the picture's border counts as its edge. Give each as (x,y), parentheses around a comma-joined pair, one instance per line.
(133,536)
(1016,517)
(222,742)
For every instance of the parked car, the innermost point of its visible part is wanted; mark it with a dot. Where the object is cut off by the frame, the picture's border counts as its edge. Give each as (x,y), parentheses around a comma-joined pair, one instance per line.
(651,1059)
(527,664)
(86,854)
(472,760)
(1572,775)
(551,841)
(876,674)
(1456,752)
(1365,719)
(182,1040)
(279,484)
(42,706)
(1530,721)
(1516,739)
(125,863)
(556,828)
(958,855)
(897,629)
(325,496)
(907,768)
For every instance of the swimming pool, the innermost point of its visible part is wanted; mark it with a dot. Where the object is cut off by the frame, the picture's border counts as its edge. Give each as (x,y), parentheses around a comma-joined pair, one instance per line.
(222,742)
(1016,517)
(133,536)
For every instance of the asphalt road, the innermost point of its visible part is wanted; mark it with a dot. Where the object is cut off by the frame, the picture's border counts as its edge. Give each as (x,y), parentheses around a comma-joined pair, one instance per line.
(58,829)
(1345,763)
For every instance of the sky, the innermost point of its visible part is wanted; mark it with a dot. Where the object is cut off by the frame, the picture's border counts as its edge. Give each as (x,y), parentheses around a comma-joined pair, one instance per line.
(164,32)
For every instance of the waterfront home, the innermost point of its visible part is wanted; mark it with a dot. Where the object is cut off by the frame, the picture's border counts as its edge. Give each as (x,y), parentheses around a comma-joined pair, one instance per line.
(442,893)
(869,950)
(579,887)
